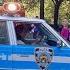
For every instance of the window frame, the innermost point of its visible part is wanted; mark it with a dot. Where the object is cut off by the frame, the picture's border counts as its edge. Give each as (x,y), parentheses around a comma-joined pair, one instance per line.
(11,32)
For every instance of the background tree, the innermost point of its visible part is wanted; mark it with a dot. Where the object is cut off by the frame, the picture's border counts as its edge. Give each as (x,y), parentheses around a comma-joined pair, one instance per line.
(42,9)
(57,4)
(33,9)
(64,11)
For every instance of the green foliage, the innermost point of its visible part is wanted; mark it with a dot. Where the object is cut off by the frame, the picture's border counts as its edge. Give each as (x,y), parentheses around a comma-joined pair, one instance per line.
(33,8)
(49,9)
(65,10)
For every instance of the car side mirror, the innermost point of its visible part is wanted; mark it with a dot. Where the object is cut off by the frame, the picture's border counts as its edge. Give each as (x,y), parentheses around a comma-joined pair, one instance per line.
(62,44)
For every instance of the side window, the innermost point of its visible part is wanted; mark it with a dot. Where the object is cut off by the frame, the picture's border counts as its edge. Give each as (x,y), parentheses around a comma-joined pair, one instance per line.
(48,37)
(34,34)
(52,40)
(28,33)
(3,33)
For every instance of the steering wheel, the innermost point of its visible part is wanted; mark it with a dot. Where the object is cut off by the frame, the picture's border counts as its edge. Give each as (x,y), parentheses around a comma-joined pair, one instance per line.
(30,40)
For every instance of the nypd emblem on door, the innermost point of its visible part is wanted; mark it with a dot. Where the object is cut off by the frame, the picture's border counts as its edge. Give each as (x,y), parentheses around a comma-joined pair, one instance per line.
(43,57)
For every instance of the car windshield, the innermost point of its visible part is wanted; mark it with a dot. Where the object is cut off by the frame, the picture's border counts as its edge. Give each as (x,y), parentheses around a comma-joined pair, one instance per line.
(62,37)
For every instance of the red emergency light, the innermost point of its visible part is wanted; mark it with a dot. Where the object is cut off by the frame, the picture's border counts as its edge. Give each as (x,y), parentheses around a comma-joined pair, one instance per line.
(11,7)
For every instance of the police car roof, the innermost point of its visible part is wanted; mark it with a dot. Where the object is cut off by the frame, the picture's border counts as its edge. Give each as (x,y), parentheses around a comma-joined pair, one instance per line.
(21,19)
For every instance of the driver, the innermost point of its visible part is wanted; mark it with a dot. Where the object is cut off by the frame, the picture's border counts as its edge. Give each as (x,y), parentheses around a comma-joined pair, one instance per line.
(25,30)
(21,31)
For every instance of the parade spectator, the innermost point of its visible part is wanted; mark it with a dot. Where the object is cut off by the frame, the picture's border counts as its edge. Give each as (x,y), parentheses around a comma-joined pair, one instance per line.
(52,23)
(60,28)
(69,35)
(65,30)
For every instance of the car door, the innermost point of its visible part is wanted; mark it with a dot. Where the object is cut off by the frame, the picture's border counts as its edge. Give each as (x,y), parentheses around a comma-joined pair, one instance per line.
(38,47)
(34,41)
(5,46)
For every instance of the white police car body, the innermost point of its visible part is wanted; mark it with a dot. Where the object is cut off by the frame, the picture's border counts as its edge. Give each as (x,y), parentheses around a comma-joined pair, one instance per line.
(43,50)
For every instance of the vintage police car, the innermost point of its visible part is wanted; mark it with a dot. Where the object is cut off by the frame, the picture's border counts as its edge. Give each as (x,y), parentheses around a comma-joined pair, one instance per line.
(31,44)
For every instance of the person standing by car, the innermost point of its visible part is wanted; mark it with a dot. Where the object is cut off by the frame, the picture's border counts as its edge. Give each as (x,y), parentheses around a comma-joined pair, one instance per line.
(52,23)
(65,30)
(69,35)
(60,28)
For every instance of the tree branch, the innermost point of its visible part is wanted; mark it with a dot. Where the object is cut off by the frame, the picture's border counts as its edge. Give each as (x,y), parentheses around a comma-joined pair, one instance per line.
(60,1)
(54,2)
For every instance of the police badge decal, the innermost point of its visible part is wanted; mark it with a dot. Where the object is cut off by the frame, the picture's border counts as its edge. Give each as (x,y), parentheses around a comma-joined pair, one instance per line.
(43,57)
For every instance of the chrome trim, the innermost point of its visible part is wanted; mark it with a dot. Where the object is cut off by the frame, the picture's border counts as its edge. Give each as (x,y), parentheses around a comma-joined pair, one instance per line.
(11,33)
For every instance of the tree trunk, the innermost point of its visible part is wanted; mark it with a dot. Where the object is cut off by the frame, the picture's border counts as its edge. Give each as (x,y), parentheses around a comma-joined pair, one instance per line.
(56,15)
(42,9)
